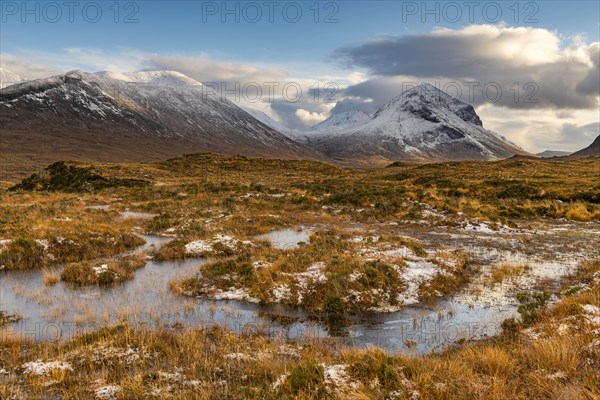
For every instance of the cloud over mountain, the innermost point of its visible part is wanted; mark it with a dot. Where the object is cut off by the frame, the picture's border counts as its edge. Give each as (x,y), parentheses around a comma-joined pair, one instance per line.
(566,76)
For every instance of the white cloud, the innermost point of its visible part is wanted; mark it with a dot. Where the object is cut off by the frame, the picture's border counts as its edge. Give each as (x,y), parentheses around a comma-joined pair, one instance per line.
(539,130)
(310,118)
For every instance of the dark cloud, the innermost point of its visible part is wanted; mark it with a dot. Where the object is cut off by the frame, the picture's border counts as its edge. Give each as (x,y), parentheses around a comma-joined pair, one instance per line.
(493,57)
(590,85)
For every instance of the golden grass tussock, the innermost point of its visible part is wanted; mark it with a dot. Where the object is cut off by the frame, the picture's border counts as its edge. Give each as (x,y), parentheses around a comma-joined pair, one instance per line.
(504,271)
(51,277)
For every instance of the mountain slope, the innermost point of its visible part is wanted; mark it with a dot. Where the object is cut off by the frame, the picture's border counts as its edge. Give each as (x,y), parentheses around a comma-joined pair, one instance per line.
(8,78)
(129,117)
(422,124)
(593,150)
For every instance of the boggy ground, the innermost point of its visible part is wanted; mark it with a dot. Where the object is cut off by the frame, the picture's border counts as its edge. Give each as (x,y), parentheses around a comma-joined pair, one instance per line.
(554,353)
(379,240)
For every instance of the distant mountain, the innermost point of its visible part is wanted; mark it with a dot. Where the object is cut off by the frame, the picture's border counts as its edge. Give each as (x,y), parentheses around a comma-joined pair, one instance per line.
(338,123)
(270,122)
(8,78)
(593,150)
(553,153)
(138,116)
(421,124)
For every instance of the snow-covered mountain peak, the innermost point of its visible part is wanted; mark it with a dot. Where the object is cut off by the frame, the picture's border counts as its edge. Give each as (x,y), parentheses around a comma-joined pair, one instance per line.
(422,123)
(427,101)
(8,78)
(341,121)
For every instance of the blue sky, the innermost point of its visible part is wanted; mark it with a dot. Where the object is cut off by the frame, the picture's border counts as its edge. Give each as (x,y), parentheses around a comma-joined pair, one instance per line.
(543,41)
(195,26)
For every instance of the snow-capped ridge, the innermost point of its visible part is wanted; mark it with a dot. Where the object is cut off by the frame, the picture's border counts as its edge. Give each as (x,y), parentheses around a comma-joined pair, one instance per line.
(9,78)
(159,77)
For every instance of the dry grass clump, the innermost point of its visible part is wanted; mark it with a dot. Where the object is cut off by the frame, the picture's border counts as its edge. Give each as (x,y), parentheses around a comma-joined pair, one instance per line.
(455,272)
(6,318)
(103,273)
(174,250)
(311,276)
(76,246)
(51,277)
(580,212)
(23,253)
(505,271)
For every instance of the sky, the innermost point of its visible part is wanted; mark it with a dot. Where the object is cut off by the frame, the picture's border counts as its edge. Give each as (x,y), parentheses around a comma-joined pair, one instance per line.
(531,69)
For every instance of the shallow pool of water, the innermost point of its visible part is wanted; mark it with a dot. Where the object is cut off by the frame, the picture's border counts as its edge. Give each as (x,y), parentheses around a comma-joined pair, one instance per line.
(136,214)
(61,311)
(285,239)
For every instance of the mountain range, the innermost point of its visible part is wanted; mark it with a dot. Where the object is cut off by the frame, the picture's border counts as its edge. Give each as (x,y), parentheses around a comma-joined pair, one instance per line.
(117,117)
(143,116)
(553,153)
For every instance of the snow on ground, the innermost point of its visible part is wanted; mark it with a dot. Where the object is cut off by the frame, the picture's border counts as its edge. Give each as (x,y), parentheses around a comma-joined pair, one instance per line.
(414,274)
(233,294)
(177,377)
(199,247)
(280,293)
(486,227)
(41,368)
(280,381)
(568,325)
(376,253)
(100,269)
(482,294)
(4,243)
(302,280)
(337,376)
(592,314)
(107,392)
(260,264)
(110,353)
(238,356)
